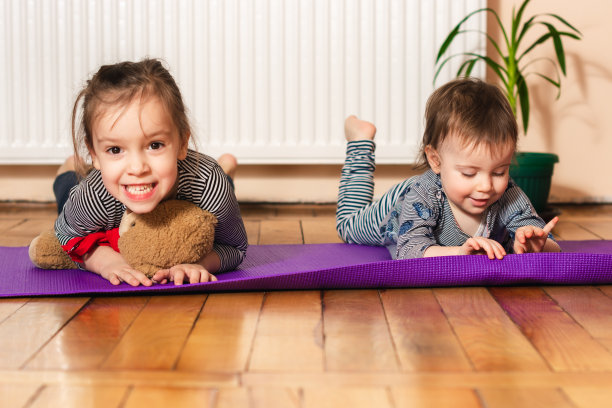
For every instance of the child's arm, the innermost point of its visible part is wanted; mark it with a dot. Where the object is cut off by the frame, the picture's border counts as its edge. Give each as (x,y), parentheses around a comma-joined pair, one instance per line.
(110,264)
(535,239)
(420,213)
(217,196)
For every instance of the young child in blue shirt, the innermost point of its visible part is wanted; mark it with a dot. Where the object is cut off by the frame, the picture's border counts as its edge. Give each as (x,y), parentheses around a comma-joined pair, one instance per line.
(464,203)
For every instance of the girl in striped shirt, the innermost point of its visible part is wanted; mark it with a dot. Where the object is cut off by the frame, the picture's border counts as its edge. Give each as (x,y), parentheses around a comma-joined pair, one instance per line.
(131,150)
(464,203)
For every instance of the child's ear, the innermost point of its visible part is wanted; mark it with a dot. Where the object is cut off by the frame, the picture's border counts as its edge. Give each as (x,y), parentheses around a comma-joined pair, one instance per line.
(433,158)
(182,154)
(94,159)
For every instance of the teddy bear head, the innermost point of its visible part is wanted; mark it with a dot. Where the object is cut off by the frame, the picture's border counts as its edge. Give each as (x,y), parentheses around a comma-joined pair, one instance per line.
(176,232)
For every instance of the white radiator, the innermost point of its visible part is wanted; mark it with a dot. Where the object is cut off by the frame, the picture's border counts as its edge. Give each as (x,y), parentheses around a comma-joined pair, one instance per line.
(269,80)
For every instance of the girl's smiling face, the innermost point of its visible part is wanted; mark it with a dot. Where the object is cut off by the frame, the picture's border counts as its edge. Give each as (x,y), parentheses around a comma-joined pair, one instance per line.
(136,148)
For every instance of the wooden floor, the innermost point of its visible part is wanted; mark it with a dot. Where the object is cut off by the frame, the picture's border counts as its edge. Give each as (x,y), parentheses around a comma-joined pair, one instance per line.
(451,347)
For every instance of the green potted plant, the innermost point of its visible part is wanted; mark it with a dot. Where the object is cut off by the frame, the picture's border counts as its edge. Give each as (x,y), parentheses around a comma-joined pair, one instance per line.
(531,171)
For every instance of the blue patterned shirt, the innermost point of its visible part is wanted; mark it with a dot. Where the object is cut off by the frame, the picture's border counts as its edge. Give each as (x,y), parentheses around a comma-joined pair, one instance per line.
(422,217)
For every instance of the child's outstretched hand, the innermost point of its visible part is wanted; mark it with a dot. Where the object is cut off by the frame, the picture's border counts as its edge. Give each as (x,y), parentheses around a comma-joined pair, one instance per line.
(481,245)
(125,273)
(184,273)
(110,264)
(532,239)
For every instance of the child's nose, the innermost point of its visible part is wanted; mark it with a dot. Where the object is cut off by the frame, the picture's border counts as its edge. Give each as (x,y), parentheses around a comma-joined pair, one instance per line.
(485,183)
(138,164)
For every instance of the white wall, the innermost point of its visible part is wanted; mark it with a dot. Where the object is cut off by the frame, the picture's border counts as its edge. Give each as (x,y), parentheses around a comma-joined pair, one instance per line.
(578,127)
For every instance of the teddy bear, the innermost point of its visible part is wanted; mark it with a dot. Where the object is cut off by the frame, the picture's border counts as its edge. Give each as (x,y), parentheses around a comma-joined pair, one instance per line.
(175,232)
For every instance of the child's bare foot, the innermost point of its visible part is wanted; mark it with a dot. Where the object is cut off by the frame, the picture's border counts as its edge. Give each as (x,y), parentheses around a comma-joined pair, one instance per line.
(357,129)
(228,163)
(68,165)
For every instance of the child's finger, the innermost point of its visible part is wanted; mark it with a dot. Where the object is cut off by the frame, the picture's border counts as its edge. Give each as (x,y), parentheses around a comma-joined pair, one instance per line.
(519,247)
(520,236)
(207,277)
(489,249)
(472,243)
(132,279)
(195,276)
(551,224)
(161,277)
(142,278)
(179,277)
(500,251)
(114,279)
(496,249)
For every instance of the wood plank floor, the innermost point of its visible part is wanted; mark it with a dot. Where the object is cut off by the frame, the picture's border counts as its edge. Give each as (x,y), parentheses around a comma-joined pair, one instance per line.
(442,347)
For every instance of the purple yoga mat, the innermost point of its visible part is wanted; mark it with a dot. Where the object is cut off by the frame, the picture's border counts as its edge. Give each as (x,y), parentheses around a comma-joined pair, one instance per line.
(332,266)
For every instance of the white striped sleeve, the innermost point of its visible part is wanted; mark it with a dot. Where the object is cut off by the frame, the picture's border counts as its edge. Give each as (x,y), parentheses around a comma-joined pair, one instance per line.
(90,208)
(203,182)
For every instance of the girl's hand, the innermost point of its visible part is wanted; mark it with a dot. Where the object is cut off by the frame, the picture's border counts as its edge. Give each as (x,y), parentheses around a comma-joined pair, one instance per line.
(109,264)
(532,239)
(481,245)
(116,274)
(188,273)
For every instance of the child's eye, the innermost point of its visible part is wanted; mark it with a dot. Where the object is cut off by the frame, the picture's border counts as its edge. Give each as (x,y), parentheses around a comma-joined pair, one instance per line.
(156,145)
(500,174)
(114,150)
(468,174)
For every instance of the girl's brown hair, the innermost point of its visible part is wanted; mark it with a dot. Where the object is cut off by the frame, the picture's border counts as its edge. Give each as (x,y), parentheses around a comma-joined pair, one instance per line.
(119,84)
(471,109)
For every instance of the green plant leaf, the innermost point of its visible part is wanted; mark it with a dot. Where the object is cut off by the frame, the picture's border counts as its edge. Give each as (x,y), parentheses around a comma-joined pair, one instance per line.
(537,42)
(442,64)
(510,69)
(544,38)
(558,45)
(557,84)
(501,72)
(562,20)
(491,40)
(528,24)
(468,66)
(454,32)
(523,93)
(447,42)
(571,35)
(516,21)
(501,27)
(549,79)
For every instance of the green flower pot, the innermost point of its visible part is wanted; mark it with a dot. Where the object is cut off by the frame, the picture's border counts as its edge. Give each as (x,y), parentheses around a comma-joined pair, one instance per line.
(533,174)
